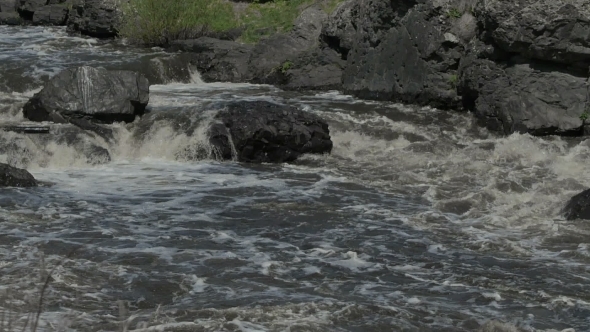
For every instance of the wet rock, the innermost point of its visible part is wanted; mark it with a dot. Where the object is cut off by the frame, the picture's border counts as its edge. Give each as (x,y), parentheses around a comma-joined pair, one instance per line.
(51,15)
(27,8)
(267,132)
(217,60)
(527,97)
(400,51)
(8,13)
(15,177)
(95,18)
(276,52)
(578,207)
(7,6)
(10,18)
(93,94)
(555,31)
(318,69)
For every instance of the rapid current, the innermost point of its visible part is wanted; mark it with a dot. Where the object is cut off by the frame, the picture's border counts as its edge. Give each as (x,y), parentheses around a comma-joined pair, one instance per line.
(419,220)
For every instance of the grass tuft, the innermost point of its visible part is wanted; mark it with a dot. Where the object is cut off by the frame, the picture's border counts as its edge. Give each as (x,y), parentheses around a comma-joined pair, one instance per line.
(158,22)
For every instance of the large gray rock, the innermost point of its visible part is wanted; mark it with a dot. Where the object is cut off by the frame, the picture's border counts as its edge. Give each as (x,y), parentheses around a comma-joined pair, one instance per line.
(318,69)
(51,15)
(28,7)
(271,54)
(217,60)
(7,6)
(93,94)
(552,30)
(527,98)
(401,52)
(267,132)
(578,207)
(10,18)
(95,18)
(15,177)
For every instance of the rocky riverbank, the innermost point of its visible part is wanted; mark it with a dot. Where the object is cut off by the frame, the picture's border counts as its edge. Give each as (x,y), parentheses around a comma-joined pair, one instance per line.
(518,66)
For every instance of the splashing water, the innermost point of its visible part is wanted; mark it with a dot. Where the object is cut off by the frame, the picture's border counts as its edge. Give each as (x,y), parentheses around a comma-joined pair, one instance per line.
(418,221)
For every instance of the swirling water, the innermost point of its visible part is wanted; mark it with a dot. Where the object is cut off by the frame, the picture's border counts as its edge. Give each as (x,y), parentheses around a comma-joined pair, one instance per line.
(418,221)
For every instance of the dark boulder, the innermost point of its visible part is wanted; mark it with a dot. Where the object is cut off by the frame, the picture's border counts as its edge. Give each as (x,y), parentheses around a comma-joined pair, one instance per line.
(7,6)
(95,18)
(8,13)
(51,15)
(578,207)
(217,60)
(10,18)
(529,97)
(274,53)
(267,132)
(27,8)
(15,177)
(401,51)
(317,69)
(555,31)
(91,94)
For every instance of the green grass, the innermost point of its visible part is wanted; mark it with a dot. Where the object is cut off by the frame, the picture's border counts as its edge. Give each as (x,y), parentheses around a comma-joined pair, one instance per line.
(454,13)
(157,22)
(584,116)
(264,19)
(286,66)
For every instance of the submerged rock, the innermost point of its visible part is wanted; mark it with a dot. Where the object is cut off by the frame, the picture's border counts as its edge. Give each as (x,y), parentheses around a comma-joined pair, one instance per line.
(15,177)
(267,132)
(92,94)
(578,206)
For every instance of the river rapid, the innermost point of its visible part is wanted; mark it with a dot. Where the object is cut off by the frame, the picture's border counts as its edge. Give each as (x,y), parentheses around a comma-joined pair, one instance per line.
(419,220)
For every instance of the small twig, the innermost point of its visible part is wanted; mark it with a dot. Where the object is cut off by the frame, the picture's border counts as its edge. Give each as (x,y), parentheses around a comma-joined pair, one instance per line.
(45,285)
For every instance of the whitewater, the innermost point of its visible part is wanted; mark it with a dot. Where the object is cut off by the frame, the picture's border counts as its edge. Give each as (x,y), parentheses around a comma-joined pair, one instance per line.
(419,220)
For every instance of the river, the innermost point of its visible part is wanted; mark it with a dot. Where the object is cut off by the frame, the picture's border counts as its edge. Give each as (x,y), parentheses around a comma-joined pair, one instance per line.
(419,220)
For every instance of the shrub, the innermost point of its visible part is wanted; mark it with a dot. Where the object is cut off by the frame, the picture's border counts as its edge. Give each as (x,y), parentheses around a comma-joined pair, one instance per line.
(158,22)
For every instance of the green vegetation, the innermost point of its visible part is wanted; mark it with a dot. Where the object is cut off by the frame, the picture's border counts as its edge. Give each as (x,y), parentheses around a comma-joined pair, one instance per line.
(286,66)
(584,116)
(454,13)
(157,22)
(265,19)
(454,79)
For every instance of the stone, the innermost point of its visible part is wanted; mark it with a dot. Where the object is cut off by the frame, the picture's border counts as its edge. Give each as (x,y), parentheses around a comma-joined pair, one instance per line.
(95,18)
(266,132)
(15,177)
(51,15)
(94,94)
(578,207)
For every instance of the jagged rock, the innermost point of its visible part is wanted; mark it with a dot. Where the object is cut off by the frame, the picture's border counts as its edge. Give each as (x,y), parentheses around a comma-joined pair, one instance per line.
(51,15)
(7,6)
(10,18)
(15,177)
(271,54)
(527,98)
(217,60)
(318,69)
(555,31)
(578,207)
(400,50)
(87,94)
(266,132)
(27,8)
(95,18)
